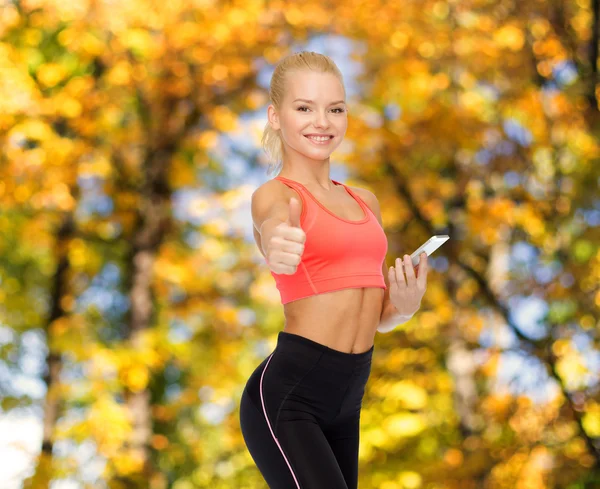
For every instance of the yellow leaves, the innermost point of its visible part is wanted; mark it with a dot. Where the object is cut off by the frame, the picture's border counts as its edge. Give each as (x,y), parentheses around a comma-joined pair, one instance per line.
(399,40)
(102,363)
(50,74)
(530,220)
(263,290)
(213,248)
(510,37)
(294,15)
(32,36)
(129,462)
(256,99)
(10,17)
(591,419)
(132,365)
(91,44)
(107,412)
(376,437)
(572,370)
(473,101)
(177,273)
(181,173)
(67,334)
(135,363)
(81,255)
(409,479)
(74,39)
(119,74)
(539,27)
(409,394)
(18,89)
(404,425)
(140,40)
(221,33)
(33,129)
(583,144)
(135,377)
(490,366)
(208,139)
(575,448)
(97,166)
(588,321)
(223,119)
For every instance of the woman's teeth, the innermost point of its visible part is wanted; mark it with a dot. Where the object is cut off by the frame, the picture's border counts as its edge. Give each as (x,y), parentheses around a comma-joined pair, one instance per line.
(319,140)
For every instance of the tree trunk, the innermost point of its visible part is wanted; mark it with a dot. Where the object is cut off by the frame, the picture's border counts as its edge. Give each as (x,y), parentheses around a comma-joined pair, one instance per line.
(52,407)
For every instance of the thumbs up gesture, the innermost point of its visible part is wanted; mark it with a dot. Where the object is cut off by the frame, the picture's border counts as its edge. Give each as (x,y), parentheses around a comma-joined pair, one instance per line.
(286,244)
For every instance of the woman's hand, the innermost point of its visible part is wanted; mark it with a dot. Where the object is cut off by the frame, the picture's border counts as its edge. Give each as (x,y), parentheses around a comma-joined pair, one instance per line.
(406,293)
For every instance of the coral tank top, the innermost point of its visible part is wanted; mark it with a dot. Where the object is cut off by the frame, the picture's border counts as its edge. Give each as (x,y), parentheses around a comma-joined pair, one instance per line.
(338,253)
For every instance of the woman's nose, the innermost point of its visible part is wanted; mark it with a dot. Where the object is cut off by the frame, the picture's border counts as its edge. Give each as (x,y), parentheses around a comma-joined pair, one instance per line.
(322,119)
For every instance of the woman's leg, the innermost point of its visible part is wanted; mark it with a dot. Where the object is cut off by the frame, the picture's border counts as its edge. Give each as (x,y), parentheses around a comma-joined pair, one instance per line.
(262,448)
(290,451)
(343,432)
(343,438)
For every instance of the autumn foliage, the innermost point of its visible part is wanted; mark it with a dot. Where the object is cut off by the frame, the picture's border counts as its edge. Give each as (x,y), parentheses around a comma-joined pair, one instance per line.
(128,268)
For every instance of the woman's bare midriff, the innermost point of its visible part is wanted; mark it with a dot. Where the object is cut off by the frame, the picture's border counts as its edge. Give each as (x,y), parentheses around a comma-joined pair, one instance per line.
(345,320)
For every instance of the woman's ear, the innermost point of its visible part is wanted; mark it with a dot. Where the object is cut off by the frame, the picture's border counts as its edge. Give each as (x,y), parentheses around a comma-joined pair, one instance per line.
(273,117)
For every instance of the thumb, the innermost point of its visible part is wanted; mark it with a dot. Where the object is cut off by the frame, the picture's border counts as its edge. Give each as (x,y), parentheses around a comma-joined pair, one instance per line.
(295,210)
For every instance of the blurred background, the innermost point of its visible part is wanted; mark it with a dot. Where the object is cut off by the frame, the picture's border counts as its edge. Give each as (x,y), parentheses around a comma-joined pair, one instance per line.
(134,303)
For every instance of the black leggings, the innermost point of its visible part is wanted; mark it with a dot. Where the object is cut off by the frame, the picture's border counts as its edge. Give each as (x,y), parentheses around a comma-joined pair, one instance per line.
(300,414)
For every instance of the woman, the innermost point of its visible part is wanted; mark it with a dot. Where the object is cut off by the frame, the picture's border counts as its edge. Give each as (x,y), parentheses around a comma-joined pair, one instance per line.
(325,246)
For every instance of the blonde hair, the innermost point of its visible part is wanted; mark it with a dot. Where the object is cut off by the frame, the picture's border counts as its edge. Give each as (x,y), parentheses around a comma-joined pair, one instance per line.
(304,60)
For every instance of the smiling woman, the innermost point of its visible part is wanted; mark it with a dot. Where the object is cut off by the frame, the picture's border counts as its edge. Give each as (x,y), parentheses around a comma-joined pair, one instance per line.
(325,246)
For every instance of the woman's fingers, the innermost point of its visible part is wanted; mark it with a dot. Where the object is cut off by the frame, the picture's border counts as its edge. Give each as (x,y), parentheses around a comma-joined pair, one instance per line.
(422,278)
(403,273)
(409,270)
(400,273)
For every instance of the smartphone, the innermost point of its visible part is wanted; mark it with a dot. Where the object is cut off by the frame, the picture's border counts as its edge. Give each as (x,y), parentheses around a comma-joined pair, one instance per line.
(429,247)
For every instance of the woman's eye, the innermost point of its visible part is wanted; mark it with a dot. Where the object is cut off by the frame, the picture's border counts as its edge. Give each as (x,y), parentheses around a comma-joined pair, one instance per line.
(337,108)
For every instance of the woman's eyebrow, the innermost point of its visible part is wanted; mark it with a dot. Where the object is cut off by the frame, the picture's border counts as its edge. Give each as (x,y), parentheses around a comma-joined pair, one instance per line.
(312,102)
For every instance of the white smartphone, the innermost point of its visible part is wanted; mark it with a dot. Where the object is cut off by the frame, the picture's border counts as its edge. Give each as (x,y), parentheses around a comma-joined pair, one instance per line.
(429,247)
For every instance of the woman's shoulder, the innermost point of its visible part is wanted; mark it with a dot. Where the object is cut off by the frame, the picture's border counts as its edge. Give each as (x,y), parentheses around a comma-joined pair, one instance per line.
(368,198)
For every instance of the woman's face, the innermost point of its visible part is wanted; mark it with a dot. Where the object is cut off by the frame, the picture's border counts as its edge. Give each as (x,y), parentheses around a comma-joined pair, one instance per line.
(325,115)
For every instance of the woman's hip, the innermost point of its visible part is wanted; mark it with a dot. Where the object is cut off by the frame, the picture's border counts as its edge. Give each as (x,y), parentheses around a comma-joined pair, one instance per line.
(301,378)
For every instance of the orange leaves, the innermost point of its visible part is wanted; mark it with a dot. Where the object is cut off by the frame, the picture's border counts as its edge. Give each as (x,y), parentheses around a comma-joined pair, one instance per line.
(119,74)
(490,366)
(498,406)
(453,457)
(510,36)
(223,119)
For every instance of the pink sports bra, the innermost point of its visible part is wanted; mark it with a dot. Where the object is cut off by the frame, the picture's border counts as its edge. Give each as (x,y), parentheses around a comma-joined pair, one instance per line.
(338,253)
